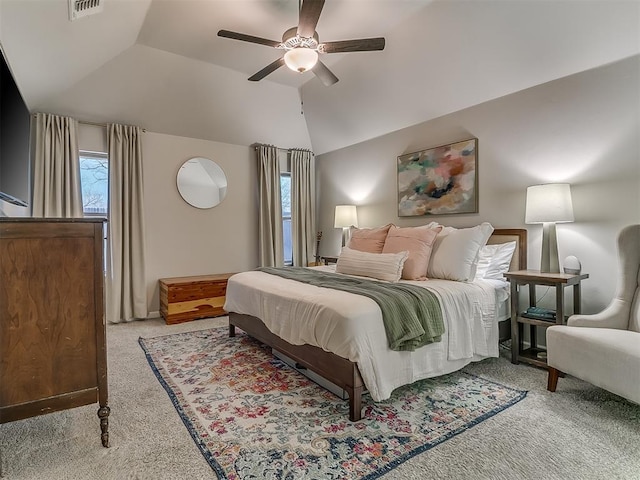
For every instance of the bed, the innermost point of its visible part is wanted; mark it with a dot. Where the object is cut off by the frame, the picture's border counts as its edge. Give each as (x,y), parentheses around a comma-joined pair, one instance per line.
(346,344)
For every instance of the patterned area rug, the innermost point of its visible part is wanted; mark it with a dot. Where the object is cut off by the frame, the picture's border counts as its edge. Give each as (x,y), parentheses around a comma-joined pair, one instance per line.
(252,416)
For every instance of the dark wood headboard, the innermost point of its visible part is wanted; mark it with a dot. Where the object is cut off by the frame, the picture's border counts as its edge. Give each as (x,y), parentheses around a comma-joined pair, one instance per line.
(519,235)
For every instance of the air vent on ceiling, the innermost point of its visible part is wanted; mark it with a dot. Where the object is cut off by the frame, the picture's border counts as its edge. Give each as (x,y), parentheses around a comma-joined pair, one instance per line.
(83,8)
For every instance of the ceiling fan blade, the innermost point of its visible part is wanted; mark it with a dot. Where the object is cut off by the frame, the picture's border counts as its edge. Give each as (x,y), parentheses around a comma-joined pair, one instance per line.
(360,45)
(309,16)
(248,38)
(267,70)
(325,75)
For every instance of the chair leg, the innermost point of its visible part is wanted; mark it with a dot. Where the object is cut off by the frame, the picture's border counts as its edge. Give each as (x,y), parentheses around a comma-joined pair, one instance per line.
(552,381)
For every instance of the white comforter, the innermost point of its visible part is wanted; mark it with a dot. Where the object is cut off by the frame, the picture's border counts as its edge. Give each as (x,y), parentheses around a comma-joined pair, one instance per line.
(351,325)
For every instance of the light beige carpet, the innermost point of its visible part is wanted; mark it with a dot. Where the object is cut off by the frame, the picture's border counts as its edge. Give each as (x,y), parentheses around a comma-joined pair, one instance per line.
(579,432)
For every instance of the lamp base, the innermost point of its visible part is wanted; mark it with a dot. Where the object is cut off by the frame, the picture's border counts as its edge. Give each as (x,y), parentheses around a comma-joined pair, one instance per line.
(346,236)
(549,262)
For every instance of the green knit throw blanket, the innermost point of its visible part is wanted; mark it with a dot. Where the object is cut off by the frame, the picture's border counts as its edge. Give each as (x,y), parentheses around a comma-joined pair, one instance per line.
(411,315)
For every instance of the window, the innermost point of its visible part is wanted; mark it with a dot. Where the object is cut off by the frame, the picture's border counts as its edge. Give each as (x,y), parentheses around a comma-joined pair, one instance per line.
(285,193)
(94,179)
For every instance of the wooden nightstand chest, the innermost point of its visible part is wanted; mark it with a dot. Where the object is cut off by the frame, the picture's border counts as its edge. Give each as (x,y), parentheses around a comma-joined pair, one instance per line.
(532,278)
(183,299)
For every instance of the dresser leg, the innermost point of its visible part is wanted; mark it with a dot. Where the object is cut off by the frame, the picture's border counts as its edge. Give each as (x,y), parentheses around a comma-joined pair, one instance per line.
(103,414)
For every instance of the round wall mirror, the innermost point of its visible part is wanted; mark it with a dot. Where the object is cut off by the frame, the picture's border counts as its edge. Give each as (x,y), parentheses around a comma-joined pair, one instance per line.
(202,183)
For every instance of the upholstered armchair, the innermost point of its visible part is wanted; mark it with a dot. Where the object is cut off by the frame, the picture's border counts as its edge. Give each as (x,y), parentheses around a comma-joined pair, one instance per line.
(604,349)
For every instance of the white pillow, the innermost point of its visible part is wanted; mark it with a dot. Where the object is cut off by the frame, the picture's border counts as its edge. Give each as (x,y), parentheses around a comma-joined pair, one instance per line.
(383,266)
(456,251)
(494,260)
(484,260)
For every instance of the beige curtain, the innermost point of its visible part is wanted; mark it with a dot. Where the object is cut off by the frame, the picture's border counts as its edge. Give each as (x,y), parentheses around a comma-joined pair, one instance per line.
(126,289)
(56,178)
(302,206)
(271,246)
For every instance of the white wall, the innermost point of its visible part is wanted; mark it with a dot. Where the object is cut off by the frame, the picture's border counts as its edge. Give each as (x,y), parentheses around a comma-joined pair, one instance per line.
(92,138)
(183,240)
(582,129)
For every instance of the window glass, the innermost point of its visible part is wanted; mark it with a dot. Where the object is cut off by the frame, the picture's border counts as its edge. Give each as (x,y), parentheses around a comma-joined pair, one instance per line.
(94,178)
(285,193)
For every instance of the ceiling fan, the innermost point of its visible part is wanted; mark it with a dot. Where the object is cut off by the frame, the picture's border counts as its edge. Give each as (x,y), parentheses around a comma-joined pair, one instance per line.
(302,45)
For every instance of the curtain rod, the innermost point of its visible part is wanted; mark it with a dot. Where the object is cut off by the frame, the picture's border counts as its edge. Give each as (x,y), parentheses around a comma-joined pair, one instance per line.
(258,145)
(95,124)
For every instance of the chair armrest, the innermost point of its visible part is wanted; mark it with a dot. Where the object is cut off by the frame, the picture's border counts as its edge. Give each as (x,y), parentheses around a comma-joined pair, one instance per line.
(616,315)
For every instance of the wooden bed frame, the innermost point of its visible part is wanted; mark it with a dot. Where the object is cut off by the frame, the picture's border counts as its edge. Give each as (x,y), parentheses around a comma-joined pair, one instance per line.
(339,370)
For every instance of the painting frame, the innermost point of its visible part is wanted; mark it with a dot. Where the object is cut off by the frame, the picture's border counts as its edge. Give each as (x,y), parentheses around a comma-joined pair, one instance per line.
(440,180)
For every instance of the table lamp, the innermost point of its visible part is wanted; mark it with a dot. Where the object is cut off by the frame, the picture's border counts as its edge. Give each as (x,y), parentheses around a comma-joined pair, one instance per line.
(549,204)
(346,215)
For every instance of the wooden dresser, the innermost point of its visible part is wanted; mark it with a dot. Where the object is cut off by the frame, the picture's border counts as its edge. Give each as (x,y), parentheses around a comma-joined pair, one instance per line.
(183,299)
(52,330)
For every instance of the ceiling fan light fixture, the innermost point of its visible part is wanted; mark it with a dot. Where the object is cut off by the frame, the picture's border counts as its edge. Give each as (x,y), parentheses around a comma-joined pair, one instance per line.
(302,45)
(301,59)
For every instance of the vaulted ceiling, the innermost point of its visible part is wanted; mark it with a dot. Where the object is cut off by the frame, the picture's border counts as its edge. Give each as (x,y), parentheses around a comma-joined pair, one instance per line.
(159,63)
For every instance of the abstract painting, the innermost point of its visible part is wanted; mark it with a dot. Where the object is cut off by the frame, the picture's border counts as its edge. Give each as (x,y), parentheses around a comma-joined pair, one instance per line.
(439,181)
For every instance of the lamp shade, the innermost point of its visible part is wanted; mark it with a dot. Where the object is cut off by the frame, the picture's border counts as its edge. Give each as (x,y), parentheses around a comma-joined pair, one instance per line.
(346,215)
(300,59)
(549,203)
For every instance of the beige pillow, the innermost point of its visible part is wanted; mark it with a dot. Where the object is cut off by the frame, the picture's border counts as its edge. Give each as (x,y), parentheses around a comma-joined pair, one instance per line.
(418,241)
(383,266)
(368,239)
(456,251)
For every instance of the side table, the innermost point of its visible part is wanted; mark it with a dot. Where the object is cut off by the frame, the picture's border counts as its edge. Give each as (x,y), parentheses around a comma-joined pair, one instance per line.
(533,278)
(329,260)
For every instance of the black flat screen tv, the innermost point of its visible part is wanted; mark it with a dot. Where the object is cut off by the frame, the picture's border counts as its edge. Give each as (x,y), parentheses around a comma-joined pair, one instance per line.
(15,129)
